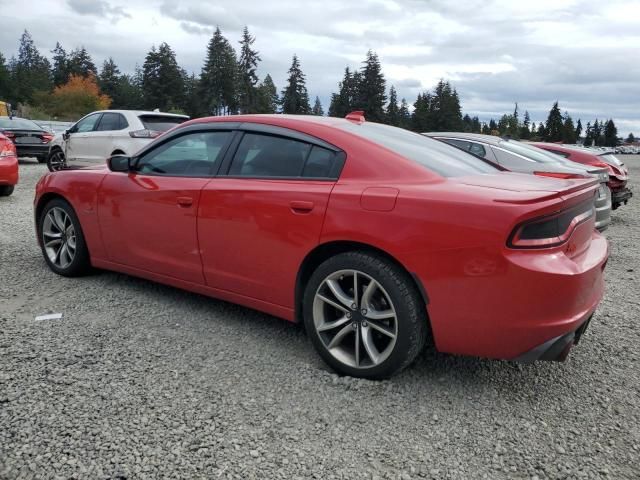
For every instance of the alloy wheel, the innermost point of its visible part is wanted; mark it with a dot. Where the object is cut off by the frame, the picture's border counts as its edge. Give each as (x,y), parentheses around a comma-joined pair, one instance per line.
(355,319)
(57,161)
(59,237)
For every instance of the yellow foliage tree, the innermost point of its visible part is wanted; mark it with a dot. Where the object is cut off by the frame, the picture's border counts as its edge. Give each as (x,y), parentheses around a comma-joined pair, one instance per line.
(79,96)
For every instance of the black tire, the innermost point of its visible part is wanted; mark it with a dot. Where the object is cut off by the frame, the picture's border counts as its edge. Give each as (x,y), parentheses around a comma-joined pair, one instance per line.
(6,190)
(410,312)
(80,264)
(56,160)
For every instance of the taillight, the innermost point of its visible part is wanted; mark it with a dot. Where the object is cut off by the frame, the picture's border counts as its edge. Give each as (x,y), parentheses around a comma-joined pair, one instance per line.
(559,175)
(144,133)
(551,230)
(7,149)
(46,137)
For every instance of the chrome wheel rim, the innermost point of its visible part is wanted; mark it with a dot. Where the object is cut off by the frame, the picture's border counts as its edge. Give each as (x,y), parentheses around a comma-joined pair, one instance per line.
(355,319)
(59,237)
(57,161)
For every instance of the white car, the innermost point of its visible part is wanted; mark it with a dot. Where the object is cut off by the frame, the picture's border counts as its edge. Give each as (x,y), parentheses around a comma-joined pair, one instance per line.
(99,135)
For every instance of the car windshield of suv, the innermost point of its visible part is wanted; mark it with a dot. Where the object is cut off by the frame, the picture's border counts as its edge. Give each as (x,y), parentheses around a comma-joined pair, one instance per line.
(532,153)
(161,123)
(18,124)
(437,156)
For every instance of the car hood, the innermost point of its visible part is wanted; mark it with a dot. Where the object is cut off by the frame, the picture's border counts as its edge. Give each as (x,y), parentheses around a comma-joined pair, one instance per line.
(518,182)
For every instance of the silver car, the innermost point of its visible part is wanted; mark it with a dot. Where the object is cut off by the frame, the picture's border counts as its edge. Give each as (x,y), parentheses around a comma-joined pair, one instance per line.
(520,157)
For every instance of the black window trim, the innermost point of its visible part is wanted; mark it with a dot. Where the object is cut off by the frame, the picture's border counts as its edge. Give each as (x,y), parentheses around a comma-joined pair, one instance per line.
(120,118)
(233,134)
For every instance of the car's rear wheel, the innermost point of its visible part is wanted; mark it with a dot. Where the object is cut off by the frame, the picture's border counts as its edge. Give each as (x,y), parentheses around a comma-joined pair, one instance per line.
(364,315)
(62,240)
(6,190)
(56,160)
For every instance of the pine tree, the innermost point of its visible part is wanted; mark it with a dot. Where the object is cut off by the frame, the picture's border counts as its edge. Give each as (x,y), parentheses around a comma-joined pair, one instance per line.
(31,71)
(6,85)
(372,88)
(568,130)
(578,130)
(610,134)
(60,70)
(162,79)
(218,78)
(445,108)
(476,127)
(467,124)
(596,131)
(109,80)
(268,96)
(347,98)
(493,127)
(80,63)
(588,135)
(631,138)
(247,77)
(192,102)
(525,132)
(485,129)
(421,118)
(554,126)
(317,108)
(393,111)
(542,132)
(404,114)
(295,99)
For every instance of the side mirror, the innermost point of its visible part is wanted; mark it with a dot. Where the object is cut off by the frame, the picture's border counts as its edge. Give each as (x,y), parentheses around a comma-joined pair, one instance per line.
(65,135)
(119,163)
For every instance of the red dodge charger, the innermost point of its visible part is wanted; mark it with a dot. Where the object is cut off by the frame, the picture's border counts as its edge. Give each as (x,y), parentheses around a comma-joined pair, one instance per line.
(375,237)
(8,166)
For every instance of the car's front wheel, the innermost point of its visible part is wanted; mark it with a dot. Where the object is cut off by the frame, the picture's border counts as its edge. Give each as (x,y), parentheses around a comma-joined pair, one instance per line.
(62,241)
(364,315)
(56,160)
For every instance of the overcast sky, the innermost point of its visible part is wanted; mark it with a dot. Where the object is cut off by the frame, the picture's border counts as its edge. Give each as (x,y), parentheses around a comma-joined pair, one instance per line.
(586,54)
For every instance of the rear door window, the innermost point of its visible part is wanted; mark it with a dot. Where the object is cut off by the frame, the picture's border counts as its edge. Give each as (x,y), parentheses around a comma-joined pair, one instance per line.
(160,123)
(111,121)
(260,155)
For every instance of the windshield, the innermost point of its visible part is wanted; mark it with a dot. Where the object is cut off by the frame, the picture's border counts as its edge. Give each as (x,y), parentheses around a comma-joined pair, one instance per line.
(530,152)
(18,124)
(161,123)
(437,156)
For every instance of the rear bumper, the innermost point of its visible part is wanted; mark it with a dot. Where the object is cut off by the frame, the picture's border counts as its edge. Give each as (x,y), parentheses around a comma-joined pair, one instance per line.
(8,170)
(603,210)
(36,150)
(621,196)
(557,349)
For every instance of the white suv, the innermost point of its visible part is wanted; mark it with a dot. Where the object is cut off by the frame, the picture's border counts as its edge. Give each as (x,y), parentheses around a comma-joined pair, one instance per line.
(97,136)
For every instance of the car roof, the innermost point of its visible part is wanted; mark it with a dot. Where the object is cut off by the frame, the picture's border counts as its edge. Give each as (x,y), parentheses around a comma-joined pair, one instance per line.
(490,139)
(143,112)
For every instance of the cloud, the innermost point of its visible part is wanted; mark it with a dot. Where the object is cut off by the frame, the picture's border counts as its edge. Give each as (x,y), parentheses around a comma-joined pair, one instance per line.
(98,8)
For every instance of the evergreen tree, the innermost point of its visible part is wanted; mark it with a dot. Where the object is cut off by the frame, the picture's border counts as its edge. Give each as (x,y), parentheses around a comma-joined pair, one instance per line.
(295,98)
(6,84)
(404,115)
(162,79)
(467,124)
(247,77)
(393,111)
(317,108)
(347,98)
(476,127)
(268,96)
(109,80)
(192,105)
(60,70)
(486,130)
(129,93)
(542,132)
(31,71)
(372,88)
(588,135)
(445,108)
(493,127)
(218,78)
(421,118)
(568,130)
(79,63)
(525,132)
(554,126)
(631,138)
(596,132)
(610,134)
(578,130)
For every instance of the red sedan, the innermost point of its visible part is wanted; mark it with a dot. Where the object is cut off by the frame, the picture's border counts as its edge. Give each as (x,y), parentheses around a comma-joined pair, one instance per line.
(375,237)
(8,166)
(618,175)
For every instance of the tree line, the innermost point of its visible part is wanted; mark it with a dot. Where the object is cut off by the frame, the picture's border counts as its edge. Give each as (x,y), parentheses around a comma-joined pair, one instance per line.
(70,85)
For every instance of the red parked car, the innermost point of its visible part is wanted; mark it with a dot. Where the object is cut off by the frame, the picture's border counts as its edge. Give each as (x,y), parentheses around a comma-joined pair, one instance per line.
(373,236)
(8,166)
(618,175)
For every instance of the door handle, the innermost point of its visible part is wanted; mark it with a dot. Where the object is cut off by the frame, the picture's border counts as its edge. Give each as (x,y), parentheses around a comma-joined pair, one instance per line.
(185,201)
(298,206)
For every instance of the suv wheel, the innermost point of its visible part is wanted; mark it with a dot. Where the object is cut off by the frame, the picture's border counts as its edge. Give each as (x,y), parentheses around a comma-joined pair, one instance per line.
(56,160)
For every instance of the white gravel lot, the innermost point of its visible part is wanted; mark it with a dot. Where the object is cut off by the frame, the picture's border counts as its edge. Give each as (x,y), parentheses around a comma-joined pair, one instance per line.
(139,380)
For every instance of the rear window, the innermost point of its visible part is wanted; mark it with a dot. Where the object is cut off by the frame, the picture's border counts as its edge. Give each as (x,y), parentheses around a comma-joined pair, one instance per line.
(18,124)
(440,158)
(161,123)
(532,153)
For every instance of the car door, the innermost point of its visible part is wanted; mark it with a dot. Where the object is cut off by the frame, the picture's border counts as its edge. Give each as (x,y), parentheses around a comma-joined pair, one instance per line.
(78,143)
(108,128)
(259,219)
(148,217)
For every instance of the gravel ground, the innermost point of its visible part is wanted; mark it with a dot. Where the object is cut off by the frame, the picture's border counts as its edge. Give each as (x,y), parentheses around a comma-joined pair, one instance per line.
(139,380)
